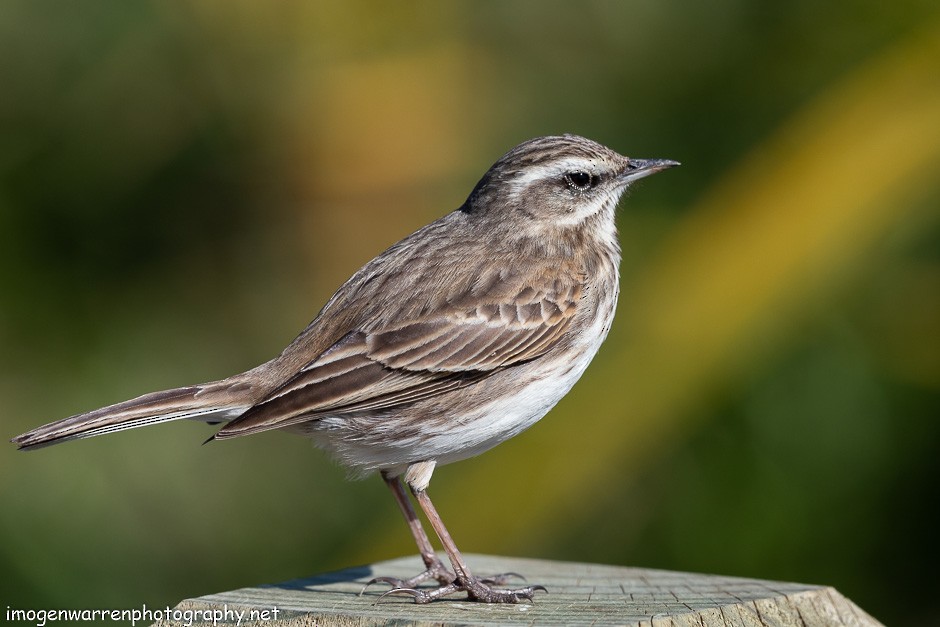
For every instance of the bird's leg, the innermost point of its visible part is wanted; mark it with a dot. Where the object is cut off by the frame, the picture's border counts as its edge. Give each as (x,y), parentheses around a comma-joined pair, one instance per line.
(477,589)
(433,563)
(434,567)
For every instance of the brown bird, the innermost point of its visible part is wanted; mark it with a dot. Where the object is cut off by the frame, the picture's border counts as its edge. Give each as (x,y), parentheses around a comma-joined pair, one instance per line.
(458,337)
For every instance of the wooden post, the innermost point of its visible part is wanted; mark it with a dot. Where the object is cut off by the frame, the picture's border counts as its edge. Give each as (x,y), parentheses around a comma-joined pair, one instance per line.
(579,594)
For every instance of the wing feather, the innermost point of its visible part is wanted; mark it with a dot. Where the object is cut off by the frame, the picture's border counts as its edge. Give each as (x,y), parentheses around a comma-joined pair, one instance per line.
(393,367)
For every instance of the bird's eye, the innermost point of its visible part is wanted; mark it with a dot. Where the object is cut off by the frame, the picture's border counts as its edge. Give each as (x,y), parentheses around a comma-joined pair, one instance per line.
(579,180)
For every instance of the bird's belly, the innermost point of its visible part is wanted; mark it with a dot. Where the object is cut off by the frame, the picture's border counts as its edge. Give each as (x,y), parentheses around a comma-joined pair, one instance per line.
(450,428)
(509,414)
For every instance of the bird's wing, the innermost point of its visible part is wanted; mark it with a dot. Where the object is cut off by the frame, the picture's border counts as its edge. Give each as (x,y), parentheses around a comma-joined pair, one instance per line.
(388,367)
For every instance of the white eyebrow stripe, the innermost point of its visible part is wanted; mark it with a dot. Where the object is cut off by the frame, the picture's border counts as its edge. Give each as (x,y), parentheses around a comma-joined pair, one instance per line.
(550,170)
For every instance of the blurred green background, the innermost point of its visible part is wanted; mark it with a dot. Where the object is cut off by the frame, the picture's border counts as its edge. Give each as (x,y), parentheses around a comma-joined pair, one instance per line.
(184,184)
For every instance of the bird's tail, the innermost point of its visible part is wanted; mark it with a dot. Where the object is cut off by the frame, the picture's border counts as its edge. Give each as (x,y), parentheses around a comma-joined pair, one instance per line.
(211,402)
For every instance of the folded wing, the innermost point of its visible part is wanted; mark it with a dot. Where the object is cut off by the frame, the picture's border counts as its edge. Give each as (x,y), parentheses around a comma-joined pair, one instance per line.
(392,367)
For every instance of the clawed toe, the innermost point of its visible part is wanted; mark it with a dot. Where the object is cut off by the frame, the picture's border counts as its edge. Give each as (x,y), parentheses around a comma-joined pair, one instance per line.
(436,572)
(502,578)
(481,592)
(412,591)
(423,595)
(394,582)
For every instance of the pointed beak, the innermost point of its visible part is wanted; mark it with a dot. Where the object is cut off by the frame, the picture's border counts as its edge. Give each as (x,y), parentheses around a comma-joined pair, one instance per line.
(639,168)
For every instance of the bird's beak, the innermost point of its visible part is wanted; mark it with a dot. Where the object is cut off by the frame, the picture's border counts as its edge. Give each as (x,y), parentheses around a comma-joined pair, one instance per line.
(638,168)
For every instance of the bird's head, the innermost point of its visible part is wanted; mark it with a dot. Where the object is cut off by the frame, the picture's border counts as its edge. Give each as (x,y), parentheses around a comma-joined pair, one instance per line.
(558,181)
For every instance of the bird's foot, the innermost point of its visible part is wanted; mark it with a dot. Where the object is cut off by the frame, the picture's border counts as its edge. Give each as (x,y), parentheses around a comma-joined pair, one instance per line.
(435,570)
(477,589)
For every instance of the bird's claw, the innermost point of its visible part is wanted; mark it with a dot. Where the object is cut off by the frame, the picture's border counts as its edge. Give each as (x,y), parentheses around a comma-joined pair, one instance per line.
(435,571)
(501,578)
(422,596)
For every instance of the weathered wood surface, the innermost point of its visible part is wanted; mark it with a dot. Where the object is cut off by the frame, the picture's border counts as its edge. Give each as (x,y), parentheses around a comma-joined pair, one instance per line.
(579,594)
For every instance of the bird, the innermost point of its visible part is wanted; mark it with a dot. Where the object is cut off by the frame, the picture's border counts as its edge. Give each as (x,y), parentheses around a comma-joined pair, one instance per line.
(461,335)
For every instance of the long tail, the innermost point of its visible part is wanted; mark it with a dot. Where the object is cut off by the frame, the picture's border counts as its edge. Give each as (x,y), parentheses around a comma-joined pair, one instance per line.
(212,402)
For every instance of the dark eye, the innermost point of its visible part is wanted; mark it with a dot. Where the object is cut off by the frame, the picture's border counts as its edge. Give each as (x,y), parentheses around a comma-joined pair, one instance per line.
(580,181)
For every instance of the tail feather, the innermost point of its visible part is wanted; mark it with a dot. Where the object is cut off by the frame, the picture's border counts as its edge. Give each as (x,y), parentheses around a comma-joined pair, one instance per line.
(214,402)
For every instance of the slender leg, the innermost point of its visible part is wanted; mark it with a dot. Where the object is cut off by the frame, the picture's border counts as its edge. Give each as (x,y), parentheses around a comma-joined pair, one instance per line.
(435,568)
(476,588)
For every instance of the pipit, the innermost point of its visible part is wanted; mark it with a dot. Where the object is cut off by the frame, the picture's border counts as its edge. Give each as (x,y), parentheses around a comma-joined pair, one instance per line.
(458,337)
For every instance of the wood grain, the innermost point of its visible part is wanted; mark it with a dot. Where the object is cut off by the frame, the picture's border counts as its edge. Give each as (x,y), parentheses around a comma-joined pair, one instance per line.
(579,594)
